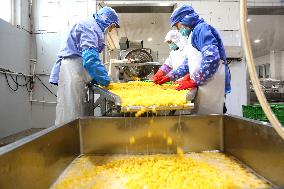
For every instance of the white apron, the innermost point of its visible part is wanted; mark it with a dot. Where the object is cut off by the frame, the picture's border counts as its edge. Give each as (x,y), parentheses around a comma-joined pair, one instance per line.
(71,90)
(209,98)
(176,58)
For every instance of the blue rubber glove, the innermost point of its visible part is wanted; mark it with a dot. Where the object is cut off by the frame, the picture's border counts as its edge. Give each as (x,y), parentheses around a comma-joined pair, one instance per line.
(95,68)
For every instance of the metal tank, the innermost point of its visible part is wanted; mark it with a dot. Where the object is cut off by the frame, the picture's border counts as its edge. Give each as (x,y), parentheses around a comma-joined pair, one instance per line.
(37,160)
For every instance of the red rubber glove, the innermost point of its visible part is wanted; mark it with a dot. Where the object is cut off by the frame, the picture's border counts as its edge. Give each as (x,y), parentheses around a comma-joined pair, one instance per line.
(164,80)
(158,76)
(185,78)
(186,83)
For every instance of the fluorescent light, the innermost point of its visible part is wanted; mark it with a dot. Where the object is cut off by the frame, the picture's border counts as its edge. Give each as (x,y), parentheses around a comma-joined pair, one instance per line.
(165,4)
(257,41)
(149,39)
(248,20)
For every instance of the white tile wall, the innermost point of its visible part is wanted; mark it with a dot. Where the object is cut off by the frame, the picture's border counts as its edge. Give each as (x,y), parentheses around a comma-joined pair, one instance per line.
(15,53)
(59,15)
(223,15)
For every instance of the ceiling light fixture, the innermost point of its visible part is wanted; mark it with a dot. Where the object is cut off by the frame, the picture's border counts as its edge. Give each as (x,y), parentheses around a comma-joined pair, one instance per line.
(248,20)
(257,41)
(149,39)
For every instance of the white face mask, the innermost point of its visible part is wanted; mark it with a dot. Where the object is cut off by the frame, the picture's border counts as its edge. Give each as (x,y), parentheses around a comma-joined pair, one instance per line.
(173,46)
(185,31)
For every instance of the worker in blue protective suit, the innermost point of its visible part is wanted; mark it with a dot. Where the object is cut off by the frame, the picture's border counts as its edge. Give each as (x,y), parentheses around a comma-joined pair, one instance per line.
(211,75)
(79,63)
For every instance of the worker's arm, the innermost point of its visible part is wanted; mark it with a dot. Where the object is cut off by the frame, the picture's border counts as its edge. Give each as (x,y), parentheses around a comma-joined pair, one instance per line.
(167,66)
(181,71)
(205,42)
(163,71)
(54,74)
(90,57)
(94,66)
(173,75)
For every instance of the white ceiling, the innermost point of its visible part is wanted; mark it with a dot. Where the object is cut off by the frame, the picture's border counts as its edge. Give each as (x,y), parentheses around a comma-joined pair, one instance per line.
(270,30)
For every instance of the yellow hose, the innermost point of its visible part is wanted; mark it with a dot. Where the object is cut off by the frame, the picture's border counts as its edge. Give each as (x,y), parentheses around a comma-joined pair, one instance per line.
(252,72)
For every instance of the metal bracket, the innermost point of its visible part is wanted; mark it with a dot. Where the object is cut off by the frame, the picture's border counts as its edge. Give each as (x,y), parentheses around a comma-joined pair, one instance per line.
(107,100)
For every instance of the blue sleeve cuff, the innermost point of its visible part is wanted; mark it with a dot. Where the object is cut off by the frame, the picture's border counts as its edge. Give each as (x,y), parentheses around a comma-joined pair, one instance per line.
(165,68)
(94,67)
(54,75)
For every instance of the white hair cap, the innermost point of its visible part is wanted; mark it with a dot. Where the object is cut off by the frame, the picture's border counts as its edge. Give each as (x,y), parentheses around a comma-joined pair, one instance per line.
(176,37)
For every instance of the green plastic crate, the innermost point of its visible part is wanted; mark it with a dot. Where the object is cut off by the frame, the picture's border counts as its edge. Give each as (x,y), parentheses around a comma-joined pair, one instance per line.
(248,111)
(255,112)
(279,111)
(258,113)
(280,118)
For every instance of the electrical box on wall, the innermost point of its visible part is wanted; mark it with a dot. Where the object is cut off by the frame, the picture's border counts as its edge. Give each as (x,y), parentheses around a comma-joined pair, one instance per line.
(235,52)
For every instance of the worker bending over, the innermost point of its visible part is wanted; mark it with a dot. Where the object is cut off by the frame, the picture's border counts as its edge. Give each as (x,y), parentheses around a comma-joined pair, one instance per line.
(79,63)
(211,75)
(177,44)
(180,50)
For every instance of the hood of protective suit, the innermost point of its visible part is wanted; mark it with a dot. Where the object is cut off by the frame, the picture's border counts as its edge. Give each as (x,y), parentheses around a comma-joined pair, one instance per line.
(105,17)
(176,37)
(186,15)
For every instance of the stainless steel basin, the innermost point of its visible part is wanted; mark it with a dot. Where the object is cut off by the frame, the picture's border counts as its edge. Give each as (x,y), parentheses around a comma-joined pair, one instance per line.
(37,161)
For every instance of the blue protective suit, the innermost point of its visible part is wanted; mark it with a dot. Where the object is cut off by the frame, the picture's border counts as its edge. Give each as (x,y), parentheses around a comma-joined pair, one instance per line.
(78,63)
(86,40)
(205,39)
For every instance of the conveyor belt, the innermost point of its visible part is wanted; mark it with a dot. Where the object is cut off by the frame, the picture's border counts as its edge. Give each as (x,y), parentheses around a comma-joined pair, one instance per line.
(115,101)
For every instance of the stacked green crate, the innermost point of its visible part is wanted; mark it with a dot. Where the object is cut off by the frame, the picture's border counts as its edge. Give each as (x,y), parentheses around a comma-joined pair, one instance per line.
(259,114)
(279,112)
(248,111)
(255,112)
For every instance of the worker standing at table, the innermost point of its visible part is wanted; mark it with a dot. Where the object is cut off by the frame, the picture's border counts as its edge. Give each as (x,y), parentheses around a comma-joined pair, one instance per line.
(79,63)
(211,75)
(177,44)
(180,50)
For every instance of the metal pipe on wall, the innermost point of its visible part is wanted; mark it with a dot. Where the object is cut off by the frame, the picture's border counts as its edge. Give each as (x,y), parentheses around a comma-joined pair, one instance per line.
(252,71)
(43,101)
(34,62)
(15,73)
